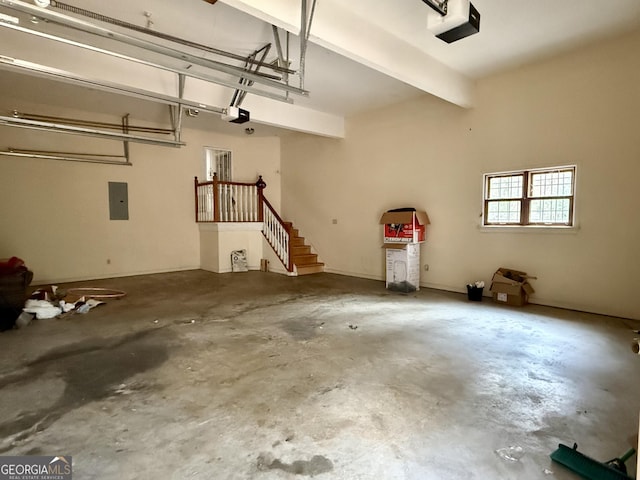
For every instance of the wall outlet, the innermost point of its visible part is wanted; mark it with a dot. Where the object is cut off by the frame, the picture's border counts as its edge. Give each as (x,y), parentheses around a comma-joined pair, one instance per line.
(334,221)
(108,261)
(426,267)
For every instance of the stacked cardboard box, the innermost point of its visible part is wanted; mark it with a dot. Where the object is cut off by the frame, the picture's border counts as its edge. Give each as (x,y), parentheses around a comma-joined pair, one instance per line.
(404,230)
(511,287)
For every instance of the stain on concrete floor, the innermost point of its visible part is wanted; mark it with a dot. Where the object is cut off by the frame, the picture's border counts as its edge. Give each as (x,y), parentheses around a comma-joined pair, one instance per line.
(91,370)
(317,465)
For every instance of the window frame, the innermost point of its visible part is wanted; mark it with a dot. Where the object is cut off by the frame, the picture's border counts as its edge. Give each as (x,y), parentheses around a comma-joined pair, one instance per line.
(210,163)
(526,198)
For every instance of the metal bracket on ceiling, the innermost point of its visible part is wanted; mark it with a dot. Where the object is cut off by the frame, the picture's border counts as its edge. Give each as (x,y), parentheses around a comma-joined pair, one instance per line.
(240,94)
(439,6)
(283,56)
(176,112)
(306,19)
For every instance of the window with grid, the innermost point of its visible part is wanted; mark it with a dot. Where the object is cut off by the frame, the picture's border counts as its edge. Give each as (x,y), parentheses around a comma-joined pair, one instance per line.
(534,197)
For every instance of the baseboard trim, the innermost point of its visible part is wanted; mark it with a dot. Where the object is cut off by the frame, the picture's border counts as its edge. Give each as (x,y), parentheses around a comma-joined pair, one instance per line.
(46,281)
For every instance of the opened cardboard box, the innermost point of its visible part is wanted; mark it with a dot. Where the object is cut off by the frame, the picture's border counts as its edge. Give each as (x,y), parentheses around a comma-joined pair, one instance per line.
(511,287)
(404,226)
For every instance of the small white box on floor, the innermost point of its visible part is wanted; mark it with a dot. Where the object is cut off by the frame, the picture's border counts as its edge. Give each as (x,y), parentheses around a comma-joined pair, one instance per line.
(403,267)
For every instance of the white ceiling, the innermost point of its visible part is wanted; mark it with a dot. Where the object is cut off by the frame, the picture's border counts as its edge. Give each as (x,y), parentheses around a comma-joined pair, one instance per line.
(512,32)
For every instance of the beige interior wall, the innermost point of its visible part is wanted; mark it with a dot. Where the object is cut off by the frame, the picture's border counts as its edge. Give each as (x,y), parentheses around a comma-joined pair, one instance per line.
(579,108)
(55,214)
(219,240)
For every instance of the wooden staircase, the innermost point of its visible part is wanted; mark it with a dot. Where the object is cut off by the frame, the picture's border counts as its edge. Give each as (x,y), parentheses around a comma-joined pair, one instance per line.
(306,262)
(220,201)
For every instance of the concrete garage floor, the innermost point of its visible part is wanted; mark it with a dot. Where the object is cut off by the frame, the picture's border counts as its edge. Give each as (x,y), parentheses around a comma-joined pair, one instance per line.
(195,375)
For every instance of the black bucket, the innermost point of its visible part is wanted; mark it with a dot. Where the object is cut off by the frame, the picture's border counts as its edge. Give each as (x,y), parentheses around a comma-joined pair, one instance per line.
(474,293)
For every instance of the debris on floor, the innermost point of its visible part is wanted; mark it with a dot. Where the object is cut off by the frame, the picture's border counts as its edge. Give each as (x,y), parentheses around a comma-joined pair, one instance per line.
(512,453)
(52,302)
(95,292)
(42,309)
(23,320)
(86,306)
(353,327)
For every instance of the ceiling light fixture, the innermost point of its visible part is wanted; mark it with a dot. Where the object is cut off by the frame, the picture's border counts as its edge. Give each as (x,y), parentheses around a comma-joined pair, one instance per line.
(42,3)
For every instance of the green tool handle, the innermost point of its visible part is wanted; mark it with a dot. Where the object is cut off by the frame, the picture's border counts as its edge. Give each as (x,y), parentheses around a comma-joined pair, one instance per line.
(628,455)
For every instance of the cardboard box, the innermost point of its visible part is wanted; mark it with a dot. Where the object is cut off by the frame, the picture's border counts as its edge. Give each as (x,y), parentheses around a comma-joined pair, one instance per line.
(404,226)
(511,287)
(403,267)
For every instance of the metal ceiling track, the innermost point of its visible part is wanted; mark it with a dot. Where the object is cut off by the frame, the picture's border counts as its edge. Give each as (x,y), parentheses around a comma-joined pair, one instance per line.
(66,156)
(88,132)
(171,38)
(188,73)
(43,71)
(80,25)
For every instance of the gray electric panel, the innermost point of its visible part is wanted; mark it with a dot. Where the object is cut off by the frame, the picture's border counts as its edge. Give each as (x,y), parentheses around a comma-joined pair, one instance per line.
(118,201)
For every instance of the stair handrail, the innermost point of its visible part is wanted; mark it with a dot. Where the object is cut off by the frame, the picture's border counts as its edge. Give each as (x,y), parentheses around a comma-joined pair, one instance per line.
(283,248)
(277,232)
(209,193)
